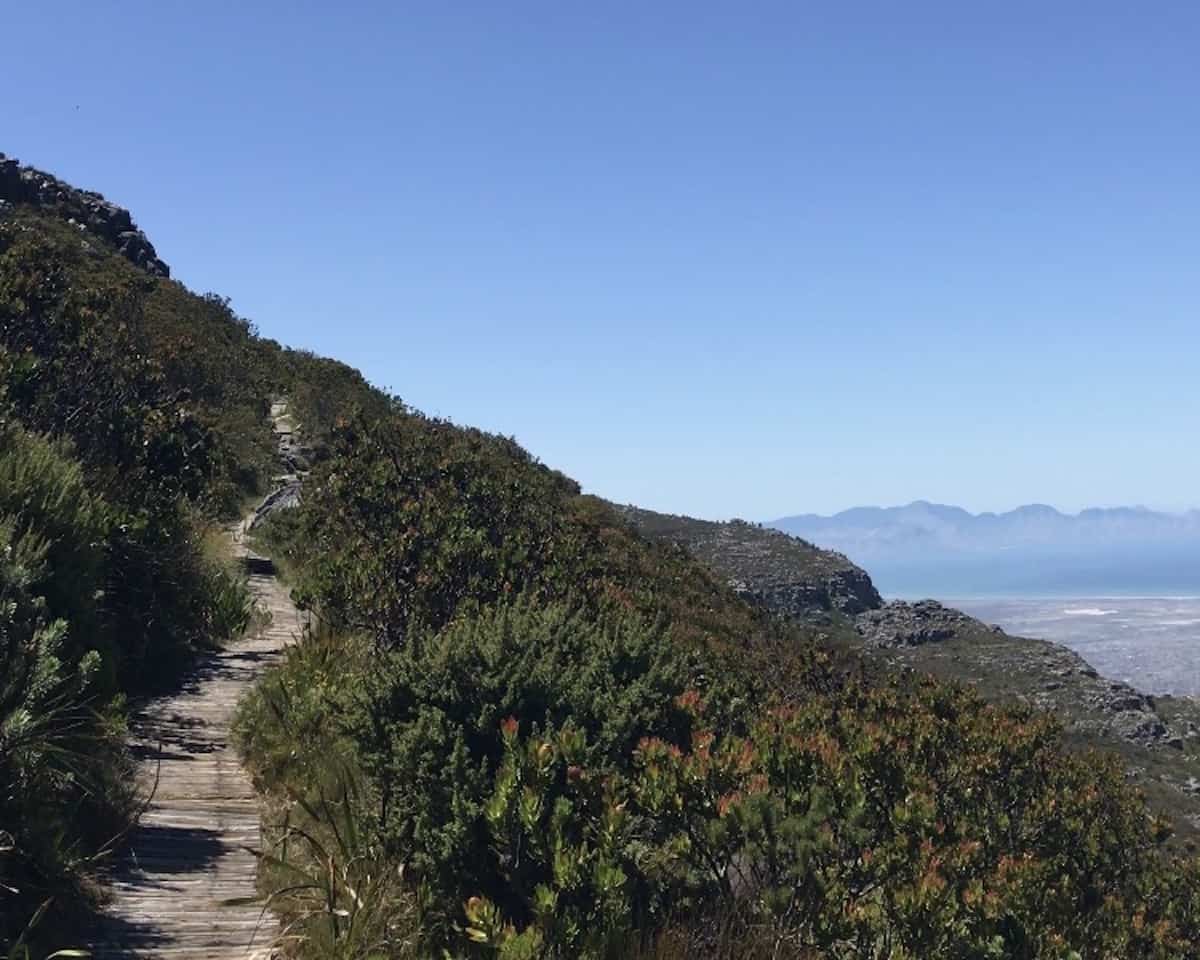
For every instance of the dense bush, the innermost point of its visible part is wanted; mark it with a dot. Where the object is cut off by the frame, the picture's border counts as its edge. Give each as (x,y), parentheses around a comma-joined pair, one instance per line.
(915,823)
(45,495)
(440,516)
(76,364)
(430,724)
(427,724)
(552,786)
(412,520)
(62,766)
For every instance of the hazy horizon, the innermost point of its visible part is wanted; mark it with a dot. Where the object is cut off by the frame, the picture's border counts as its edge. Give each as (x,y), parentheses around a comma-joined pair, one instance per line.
(1067,512)
(924,549)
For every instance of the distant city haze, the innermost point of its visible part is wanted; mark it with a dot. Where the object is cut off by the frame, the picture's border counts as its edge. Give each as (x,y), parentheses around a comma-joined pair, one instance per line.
(929,549)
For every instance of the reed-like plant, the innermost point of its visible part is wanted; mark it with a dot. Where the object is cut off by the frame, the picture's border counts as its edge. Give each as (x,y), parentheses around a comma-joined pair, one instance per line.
(321,869)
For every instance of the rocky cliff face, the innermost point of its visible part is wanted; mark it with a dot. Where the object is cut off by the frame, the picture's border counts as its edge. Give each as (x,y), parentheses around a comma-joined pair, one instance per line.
(903,624)
(848,591)
(783,574)
(89,212)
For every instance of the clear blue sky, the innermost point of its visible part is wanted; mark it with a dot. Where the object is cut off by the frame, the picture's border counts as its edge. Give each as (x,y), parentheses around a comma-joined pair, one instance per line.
(737,259)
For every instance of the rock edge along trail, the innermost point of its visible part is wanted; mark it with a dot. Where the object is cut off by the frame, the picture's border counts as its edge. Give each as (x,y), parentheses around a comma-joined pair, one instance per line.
(188,855)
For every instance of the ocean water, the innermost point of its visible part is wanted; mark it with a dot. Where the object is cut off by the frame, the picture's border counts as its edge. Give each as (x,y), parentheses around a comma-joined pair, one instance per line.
(1152,643)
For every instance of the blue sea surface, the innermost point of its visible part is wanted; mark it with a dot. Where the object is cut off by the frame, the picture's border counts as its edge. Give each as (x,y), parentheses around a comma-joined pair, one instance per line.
(1152,643)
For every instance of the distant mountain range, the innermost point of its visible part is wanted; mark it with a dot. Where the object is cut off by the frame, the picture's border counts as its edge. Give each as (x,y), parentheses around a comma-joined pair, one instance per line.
(934,549)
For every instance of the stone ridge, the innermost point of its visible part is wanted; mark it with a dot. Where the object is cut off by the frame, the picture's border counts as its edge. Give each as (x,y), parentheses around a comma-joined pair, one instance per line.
(87,211)
(784,574)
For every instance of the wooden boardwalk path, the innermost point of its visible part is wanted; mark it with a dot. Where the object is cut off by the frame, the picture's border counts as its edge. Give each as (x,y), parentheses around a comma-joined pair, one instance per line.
(188,853)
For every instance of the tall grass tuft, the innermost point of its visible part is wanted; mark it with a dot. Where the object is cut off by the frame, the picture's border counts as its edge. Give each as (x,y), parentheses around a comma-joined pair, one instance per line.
(320,870)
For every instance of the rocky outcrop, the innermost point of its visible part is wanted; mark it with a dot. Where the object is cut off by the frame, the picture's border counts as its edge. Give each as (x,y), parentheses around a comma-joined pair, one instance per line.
(929,636)
(850,590)
(845,591)
(795,579)
(783,574)
(88,212)
(903,624)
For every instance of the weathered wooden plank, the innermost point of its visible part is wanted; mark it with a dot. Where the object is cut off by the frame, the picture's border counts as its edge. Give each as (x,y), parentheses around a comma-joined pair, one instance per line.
(187,856)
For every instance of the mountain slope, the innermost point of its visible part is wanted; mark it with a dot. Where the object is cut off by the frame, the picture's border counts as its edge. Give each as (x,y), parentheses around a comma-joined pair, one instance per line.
(1158,738)
(521,727)
(132,426)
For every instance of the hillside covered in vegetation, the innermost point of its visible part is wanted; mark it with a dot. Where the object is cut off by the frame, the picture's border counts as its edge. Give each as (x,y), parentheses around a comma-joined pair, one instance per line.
(521,727)
(1158,738)
(132,428)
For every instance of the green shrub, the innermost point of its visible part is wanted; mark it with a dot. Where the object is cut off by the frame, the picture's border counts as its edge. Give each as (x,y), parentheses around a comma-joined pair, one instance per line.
(43,491)
(909,824)
(411,520)
(63,770)
(428,727)
(413,517)
(164,599)
(550,784)
(567,849)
